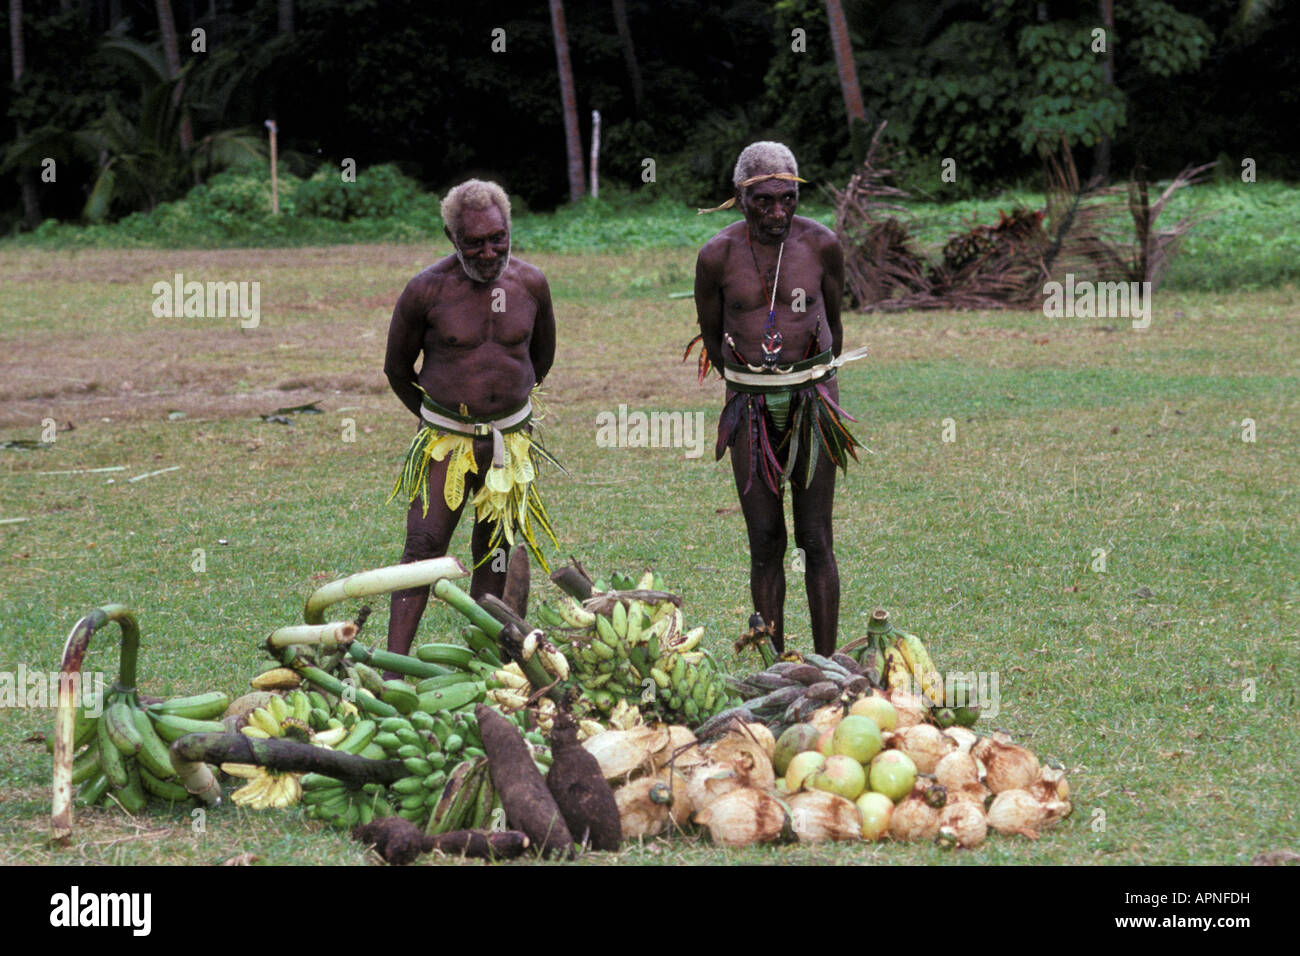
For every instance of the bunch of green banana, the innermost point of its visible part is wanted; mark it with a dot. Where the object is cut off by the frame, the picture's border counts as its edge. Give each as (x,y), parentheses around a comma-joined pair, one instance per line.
(124,758)
(469,801)
(332,801)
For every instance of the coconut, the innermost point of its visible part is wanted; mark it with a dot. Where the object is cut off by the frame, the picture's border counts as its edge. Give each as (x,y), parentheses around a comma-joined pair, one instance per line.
(911,708)
(957,770)
(817,816)
(975,793)
(925,744)
(913,819)
(709,781)
(966,821)
(623,754)
(1009,767)
(826,718)
(1016,811)
(679,749)
(670,789)
(763,736)
(1050,785)
(747,757)
(964,736)
(639,814)
(743,817)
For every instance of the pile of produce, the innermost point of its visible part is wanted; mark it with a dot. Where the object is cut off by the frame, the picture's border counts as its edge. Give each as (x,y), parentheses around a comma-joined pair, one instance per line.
(611,722)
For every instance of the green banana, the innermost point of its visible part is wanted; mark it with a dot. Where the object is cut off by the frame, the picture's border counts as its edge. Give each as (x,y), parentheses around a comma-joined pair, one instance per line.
(400,694)
(361,734)
(132,797)
(85,766)
(154,755)
(94,791)
(450,655)
(121,728)
(171,727)
(165,789)
(198,707)
(110,758)
(452,698)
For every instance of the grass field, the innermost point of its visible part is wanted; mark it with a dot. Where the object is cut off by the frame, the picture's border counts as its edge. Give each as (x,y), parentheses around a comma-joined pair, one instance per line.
(1166,685)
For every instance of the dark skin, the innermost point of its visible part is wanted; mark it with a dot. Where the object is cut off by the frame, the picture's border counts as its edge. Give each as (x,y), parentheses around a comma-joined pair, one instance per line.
(484,358)
(730,298)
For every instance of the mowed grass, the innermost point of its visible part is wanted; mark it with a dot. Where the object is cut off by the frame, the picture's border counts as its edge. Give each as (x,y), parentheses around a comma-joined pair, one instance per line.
(1166,685)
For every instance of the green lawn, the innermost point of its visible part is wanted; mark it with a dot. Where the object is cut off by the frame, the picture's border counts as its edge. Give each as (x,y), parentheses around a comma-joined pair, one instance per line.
(1166,685)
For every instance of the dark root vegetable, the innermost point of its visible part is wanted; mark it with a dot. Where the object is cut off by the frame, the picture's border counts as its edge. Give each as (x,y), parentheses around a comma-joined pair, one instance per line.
(528,804)
(399,842)
(580,790)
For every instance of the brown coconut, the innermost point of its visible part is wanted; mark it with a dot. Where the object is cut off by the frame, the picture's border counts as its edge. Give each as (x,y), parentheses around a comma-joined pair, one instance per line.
(680,750)
(709,781)
(623,754)
(911,708)
(1008,766)
(964,737)
(640,816)
(743,817)
(764,737)
(750,761)
(925,744)
(957,770)
(966,821)
(913,819)
(1016,811)
(817,816)
(826,718)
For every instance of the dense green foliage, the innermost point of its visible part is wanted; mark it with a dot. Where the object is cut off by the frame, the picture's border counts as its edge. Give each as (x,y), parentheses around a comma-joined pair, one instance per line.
(419,85)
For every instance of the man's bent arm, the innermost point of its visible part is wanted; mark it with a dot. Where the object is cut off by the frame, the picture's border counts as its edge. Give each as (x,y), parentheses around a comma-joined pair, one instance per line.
(833,291)
(405,340)
(542,347)
(708,306)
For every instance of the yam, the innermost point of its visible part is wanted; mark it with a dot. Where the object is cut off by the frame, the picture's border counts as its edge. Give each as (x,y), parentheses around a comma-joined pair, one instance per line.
(528,804)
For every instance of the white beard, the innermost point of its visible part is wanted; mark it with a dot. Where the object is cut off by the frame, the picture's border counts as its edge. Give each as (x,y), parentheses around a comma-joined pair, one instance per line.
(477,273)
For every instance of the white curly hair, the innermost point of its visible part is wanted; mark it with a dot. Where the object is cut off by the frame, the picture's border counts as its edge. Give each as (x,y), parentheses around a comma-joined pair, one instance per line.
(473,194)
(762,158)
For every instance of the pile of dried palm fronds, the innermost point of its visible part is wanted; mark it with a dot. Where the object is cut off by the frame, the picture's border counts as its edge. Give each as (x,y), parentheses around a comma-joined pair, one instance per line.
(1081,231)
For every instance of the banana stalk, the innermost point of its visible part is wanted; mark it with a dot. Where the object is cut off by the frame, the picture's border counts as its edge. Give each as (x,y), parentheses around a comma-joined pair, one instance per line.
(396,577)
(331,684)
(397,663)
(65,718)
(328,637)
(467,606)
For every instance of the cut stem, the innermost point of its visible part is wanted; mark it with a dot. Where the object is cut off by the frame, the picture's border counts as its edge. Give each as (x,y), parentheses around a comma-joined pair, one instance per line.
(467,606)
(398,663)
(328,637)
(286,756)
(65,717)
(397,577)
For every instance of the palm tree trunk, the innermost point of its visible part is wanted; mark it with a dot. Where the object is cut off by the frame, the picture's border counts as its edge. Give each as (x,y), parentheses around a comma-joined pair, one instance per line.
(285,8)
(17,55)
(171,52)
(843,48)
(572,142)
(1101,154)
(629,54)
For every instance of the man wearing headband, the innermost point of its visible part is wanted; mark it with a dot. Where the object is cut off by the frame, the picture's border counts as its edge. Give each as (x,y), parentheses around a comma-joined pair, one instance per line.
(767,294)
(484,324)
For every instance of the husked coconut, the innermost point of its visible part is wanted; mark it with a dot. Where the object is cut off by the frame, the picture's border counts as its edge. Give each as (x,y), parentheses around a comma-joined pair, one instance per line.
(1016,811)
(966,821)
(747,757)
(817,816)
(956,770)
(743,817)
(627,753)
(911,708)
(1008,766)
(925,744)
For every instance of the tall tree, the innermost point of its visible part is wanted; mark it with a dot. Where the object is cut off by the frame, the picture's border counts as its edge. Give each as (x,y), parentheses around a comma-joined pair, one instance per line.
(629,54)
(1101,152)
(572,141)
(848,73)
(171,52)
(18,55)
(285,9)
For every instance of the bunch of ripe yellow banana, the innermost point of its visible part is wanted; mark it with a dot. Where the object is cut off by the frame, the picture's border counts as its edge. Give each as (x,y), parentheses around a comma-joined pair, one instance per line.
(121,747)
(908,665)
(287,717)
(637,652)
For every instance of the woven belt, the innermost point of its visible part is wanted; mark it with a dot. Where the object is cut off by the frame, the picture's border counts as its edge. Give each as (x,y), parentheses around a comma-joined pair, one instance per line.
(752,378)
(446,420)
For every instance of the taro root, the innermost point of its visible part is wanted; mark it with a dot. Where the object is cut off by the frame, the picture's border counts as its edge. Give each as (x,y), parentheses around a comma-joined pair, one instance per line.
(743,817)
(817,816)
(1008,766)
(580,790)
(528,804)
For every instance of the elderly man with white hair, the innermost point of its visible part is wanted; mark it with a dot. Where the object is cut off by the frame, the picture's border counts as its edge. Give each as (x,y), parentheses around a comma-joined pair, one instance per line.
(484,325)
(767,294)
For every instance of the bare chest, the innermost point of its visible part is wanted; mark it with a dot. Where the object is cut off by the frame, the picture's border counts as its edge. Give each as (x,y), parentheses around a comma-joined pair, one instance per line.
(468,316)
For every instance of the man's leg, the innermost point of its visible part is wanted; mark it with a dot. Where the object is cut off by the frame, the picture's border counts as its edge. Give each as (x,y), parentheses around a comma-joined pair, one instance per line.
(813,507)
(765,524)
(427,536)
(490,575)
